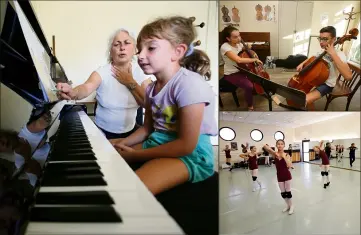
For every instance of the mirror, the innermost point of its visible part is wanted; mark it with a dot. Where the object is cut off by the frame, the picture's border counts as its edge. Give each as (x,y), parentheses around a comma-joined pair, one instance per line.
(339,158)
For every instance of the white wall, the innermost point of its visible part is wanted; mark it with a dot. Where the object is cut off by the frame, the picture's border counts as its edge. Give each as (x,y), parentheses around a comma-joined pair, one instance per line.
(82,30)
(290,16)
(294,16)
(243,131)
(335,17)
(344,127)
(248,22)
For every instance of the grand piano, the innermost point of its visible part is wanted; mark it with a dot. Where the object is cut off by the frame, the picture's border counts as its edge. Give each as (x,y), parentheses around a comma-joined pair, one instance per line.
(86,187)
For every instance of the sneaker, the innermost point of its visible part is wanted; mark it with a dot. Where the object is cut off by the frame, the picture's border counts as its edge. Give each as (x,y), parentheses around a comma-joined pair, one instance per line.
(291,210)
(285,210)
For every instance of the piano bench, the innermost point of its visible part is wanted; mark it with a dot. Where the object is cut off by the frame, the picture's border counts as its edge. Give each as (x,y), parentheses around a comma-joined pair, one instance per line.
(227,87)
(194,206)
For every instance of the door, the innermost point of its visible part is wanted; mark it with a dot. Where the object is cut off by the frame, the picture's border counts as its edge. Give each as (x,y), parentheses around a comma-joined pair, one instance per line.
(305,151)
(294,27)
(303,25)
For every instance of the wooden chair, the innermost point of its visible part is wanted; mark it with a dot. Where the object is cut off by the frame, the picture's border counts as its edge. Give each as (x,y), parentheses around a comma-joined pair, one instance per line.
(345,88)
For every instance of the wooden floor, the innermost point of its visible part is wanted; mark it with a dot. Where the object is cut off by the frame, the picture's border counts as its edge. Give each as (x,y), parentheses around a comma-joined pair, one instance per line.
(282,77)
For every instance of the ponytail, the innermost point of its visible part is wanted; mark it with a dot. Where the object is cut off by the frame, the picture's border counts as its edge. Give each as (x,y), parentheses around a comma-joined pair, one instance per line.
(198,62)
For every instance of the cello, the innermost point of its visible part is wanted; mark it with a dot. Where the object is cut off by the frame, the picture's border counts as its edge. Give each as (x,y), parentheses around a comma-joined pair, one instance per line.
(315,71)
(253,67)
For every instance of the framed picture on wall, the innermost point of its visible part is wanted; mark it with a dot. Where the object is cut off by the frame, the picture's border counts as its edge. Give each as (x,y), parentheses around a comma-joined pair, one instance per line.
(234,146)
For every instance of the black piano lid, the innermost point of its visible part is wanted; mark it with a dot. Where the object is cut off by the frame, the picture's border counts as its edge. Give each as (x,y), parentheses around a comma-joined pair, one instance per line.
(18,71)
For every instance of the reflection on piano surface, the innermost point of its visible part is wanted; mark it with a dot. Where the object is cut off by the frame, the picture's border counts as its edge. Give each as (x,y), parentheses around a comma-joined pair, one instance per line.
(83,185)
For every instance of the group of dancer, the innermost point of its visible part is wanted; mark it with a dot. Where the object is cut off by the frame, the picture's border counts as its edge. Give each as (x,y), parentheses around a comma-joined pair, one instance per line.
(339,152)
(283,163)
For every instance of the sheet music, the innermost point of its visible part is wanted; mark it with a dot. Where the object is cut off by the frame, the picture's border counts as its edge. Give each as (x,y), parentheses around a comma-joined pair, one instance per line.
(40,57)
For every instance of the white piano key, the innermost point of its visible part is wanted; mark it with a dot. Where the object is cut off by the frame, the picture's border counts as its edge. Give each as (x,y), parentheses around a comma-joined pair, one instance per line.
(140,211)
(132,225)
(132,203)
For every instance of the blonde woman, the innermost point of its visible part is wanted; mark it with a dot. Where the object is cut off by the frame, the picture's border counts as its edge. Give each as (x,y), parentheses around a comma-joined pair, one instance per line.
(119,85)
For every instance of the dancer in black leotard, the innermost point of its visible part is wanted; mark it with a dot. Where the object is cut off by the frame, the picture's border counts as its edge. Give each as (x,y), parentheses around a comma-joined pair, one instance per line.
(352,149)
(227,150)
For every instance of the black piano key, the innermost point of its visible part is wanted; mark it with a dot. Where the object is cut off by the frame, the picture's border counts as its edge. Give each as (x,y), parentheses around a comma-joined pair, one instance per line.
(73,157)
(76,180)
(75,198)
(70,165)
(74,135)
(78,171)
(70,139)
(93,214)
(64,144)
(72,150)
(76,145)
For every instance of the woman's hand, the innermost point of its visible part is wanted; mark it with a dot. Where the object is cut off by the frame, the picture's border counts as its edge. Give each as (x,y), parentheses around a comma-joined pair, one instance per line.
(65,92)
(125,77)
(257,61)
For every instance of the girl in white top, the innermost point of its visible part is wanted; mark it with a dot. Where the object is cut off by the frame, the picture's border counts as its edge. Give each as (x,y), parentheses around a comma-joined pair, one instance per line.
(118,96)
(229,51)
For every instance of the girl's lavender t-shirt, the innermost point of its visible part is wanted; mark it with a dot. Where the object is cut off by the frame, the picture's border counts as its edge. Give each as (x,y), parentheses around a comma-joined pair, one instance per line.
(185,88)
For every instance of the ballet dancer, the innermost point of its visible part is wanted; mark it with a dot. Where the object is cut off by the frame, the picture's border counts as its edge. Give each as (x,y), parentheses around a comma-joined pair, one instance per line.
(325,164)
(252,157)
(352,149)
(283,163)
(266,155)
(244,148)
(342,149)
(227,150)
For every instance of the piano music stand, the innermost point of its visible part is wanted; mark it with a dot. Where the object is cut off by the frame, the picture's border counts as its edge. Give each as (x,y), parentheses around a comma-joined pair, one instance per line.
(272,88)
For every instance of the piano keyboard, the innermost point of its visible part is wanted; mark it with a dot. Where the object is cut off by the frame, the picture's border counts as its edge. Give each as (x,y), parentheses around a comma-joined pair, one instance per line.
(88,188)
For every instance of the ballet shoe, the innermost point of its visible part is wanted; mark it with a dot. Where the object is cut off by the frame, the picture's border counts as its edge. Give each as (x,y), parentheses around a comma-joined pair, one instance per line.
(285,210)
(290,212)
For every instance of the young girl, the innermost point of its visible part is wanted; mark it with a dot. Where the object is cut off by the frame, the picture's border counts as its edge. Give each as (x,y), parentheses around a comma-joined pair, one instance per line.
(266,155)
(325,164)
(227,150)
(283,163)
(175,141)
(252,157)
(229,51)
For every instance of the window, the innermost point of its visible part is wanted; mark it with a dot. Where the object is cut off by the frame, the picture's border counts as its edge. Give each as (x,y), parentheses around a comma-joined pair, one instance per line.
(354,54)
(256,135)
(227,134)
(279,135)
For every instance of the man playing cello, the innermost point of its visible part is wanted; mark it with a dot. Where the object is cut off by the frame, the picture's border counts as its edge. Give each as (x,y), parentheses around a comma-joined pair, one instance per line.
(336,61)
